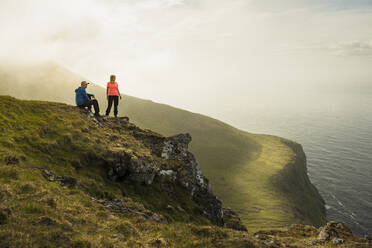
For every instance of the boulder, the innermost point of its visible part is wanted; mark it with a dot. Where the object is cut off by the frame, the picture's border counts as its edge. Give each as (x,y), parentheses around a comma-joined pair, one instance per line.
(337,241)
(127,167)
(63,181)
(5,214)
(334,230)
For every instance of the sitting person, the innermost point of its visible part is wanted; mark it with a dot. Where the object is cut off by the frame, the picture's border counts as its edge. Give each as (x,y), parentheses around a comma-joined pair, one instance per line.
(84,100)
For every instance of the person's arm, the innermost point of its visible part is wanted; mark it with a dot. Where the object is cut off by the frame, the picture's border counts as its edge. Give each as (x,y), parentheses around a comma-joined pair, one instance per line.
(107,92)
(85,95)
(119,92)
(90,96)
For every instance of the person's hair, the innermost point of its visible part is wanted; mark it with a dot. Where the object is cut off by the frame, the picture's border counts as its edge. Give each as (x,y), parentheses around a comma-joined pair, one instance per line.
(112,76)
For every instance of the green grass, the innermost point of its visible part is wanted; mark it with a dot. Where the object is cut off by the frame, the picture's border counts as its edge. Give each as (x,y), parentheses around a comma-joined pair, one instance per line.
(45,135)
(248,172)
(46,214)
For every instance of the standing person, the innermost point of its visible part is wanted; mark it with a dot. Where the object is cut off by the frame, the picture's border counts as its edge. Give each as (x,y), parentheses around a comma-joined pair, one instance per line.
(113,95)
(84,100)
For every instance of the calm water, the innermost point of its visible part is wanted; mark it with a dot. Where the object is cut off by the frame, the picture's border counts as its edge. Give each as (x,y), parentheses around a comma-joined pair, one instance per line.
(337,137)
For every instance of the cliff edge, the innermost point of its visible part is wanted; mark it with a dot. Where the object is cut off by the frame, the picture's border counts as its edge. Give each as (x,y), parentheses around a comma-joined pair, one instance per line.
(243,168)
(68,179)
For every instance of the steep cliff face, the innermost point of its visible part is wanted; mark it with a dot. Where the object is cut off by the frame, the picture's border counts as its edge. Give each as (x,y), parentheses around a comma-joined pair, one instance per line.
(307,204)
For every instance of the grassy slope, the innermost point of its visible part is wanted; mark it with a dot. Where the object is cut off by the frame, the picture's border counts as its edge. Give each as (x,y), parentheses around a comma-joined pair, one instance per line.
(246,170)
(40,135)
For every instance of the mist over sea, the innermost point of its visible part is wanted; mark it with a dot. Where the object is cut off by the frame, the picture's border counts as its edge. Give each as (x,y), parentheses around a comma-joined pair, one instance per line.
(336,134)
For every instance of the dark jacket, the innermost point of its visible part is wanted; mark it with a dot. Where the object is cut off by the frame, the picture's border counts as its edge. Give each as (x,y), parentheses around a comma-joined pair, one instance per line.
(81,96)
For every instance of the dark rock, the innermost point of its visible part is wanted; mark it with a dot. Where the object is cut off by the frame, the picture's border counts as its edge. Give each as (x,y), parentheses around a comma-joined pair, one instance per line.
(98,123)
(169,207)
(315,242)
(121,207)
(179,208)
(44,220)
(63,181)
(158,242)
(5,214)
(175,147)
(76,164)
(168,175)
(232,220)
(271,241)
(191,177)
(11,160)
(126,167)
(51,203)
(69,182)
(49,175)
(142,171)
(260,236)
(124,118)
(334,230)
(337,241)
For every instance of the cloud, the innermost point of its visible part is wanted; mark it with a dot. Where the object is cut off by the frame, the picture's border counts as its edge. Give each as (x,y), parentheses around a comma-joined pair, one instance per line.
(354,49)
(168,50)
(319,5)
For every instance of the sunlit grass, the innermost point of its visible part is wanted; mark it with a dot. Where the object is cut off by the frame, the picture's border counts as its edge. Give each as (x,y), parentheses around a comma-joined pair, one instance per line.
(239,165)
(44,135)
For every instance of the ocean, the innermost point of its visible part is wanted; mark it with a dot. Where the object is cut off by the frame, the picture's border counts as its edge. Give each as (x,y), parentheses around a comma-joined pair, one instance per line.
(336,134)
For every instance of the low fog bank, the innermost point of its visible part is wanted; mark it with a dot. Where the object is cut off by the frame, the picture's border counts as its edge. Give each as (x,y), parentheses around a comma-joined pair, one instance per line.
(219,58)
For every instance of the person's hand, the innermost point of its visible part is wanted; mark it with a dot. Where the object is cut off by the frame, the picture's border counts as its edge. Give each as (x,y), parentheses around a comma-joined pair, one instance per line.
(107,98)
(92,97)
(120,97)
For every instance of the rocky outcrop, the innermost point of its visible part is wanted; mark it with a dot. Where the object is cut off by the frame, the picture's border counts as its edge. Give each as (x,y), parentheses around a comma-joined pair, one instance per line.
(120,206)
(125,166)
(62,180)
(334,231)
(189,175)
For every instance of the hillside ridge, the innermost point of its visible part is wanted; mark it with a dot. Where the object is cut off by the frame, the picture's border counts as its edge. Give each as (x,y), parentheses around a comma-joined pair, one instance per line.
(239,165)
(68,179)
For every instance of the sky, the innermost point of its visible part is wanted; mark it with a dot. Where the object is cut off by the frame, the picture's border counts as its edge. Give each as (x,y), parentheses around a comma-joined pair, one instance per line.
(216,57)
